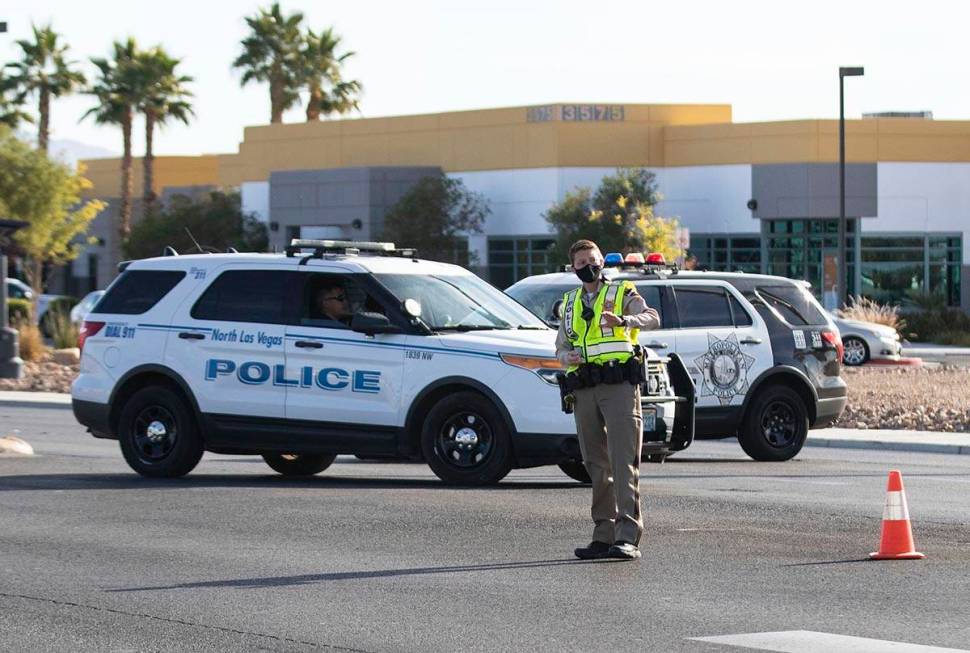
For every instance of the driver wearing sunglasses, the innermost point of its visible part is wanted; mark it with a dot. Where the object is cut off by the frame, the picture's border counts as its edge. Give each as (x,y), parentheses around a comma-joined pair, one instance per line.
(332,302)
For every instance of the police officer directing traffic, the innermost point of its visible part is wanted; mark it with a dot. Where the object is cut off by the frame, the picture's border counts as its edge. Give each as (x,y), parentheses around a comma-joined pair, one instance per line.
(597,344)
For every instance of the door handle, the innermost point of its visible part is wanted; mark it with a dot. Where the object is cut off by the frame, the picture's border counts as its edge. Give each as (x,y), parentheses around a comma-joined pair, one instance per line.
(309,344)
(751,341)
(191,335)
(656,345)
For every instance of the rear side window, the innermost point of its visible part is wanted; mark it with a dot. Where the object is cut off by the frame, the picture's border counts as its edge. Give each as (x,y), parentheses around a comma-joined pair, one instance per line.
(244,296)
(651,295)
(741,317)
(795,304)
(136,291)
(703,307)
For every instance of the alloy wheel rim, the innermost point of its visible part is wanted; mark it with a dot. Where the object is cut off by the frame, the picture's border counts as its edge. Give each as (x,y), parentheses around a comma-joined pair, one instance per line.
(855,352)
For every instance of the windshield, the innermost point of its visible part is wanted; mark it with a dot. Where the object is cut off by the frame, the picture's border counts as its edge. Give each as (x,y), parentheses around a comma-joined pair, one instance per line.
(460,302)
(540,299)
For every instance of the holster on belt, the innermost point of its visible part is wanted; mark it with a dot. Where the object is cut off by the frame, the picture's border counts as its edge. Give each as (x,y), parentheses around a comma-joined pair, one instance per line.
(566,396)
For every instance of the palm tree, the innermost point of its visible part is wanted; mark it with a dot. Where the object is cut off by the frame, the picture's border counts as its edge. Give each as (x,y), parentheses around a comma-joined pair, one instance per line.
(11,101)
(165,97)
(119,89)
(271,53)
(45,70)
(329,93)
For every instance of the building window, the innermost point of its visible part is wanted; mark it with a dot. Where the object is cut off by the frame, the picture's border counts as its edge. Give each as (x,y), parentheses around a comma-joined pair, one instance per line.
(808,249)
(898,266)
(511,259)
(726,252)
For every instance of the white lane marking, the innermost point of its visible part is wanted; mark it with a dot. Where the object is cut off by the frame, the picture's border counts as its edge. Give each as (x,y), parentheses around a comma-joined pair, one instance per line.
(807,641)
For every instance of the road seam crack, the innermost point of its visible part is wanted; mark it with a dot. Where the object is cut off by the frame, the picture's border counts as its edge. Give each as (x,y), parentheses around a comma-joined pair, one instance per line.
(181,622)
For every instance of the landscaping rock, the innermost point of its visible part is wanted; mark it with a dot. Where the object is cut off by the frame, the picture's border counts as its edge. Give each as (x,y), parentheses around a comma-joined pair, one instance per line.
(69,356)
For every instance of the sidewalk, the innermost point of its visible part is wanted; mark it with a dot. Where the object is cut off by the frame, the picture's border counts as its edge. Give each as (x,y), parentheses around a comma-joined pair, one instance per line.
(918,441)
(937,353)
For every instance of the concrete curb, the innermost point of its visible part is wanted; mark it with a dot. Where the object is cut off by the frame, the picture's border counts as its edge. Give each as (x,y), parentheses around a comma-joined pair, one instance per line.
(22,399)
(884,445)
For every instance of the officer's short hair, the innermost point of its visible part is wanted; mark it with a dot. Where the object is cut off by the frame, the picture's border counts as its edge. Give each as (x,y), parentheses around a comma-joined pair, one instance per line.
(579,246)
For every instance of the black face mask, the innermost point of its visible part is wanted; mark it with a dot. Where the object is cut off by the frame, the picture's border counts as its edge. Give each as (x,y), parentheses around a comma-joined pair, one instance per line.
(589,273)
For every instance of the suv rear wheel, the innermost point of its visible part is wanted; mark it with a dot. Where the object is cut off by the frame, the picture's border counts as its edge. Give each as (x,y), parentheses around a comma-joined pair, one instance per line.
(775,426)
(158,434)
(466,441)
(298,464)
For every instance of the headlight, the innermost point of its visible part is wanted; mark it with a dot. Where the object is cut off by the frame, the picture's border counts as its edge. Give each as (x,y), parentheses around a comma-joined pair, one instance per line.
(545,368)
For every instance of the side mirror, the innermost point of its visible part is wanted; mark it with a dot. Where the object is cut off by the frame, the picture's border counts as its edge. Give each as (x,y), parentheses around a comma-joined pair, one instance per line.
(373,323)
(555,315)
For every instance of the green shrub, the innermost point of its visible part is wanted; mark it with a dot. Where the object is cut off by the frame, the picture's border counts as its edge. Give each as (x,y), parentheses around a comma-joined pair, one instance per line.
(61,330)
(932,325)
(19,311)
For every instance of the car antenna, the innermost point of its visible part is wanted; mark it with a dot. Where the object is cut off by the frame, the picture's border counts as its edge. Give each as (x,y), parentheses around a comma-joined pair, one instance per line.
(201,251)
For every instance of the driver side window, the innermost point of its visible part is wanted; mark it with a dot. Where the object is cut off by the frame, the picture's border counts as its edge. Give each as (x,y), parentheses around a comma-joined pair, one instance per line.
(331,300)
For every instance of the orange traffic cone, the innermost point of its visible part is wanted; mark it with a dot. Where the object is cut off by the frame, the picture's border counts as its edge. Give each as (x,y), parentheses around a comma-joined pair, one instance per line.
(897,534)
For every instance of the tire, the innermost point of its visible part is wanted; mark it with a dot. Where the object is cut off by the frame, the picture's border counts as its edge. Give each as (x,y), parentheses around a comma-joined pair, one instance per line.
(158,434)
(855,352)
(466,441)
(775,426)
(298,464)
(576,470)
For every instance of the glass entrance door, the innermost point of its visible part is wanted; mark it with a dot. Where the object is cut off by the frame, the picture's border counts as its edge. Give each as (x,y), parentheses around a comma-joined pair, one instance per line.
(808,249)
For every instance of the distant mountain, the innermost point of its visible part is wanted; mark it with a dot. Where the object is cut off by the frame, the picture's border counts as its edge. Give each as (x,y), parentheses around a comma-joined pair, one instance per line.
(69,150)
(72,151)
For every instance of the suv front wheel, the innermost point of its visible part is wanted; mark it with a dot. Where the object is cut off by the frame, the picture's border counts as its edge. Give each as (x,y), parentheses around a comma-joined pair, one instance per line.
(775,426)
(158,434)
(466,441)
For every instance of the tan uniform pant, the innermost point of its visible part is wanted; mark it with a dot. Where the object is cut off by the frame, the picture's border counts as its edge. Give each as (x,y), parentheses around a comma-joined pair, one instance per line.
(610,428)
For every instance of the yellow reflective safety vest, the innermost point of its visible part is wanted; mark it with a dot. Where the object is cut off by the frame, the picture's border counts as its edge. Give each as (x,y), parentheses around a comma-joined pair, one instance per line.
(599,343)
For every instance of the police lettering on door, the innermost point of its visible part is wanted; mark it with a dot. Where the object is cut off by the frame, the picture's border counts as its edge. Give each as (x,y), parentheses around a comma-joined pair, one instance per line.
(327,378)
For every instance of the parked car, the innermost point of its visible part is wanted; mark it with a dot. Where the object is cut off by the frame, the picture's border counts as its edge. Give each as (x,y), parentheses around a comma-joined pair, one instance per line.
(865,341)
(17,289)
(764,356)
(83,307)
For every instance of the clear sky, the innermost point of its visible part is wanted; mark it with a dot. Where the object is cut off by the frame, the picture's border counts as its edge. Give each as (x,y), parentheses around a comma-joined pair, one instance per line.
(771,60)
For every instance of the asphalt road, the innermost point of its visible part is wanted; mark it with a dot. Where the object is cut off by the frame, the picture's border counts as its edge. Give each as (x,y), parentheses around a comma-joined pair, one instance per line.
(382,557)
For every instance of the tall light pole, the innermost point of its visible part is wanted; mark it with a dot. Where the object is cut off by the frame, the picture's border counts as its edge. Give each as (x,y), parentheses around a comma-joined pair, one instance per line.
(841,285)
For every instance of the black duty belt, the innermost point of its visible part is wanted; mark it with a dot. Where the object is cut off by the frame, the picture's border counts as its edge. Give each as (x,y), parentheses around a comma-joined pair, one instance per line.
(589,375)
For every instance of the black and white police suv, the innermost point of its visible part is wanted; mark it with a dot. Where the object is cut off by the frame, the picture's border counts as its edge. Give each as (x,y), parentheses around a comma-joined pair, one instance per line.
(232,353)
(764,356)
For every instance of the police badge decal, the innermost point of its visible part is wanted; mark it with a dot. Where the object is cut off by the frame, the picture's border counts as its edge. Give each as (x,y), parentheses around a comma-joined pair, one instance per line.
(725,368)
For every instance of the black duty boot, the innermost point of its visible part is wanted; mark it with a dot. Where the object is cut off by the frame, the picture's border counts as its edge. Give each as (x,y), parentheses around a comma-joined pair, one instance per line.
(624,551)
(594,551)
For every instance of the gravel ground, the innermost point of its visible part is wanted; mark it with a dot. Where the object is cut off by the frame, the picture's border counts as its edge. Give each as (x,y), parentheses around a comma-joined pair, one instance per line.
(925,399)
(43,376)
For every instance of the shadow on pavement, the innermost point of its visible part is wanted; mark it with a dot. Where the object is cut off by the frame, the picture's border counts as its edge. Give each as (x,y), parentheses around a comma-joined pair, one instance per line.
(305,579)
(827,562)
(19,483)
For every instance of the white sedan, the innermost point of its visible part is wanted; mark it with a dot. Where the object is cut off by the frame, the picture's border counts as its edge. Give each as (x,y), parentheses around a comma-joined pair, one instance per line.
(865,341)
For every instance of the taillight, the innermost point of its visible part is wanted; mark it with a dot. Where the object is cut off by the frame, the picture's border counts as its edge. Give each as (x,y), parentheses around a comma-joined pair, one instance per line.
(88,329)
(833,339)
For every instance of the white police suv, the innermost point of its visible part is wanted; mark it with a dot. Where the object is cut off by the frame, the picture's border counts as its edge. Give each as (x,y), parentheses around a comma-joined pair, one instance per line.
(762,353)
(237,353)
